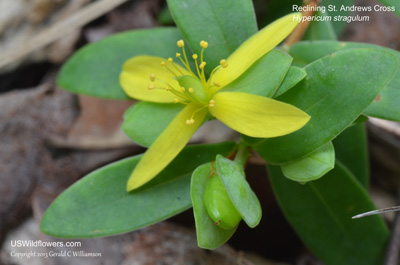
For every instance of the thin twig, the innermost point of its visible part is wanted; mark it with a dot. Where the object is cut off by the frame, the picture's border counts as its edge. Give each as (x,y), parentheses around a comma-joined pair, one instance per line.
(59,30)
(384,210)
(393,248)
(392,255)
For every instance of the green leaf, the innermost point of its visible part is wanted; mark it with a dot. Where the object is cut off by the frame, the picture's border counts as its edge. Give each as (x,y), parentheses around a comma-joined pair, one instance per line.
(165,17)
(360,119)
(335,92)
(320,30)
(144,121)
(223,24)
(94,70)
(293,77)
(351,149)
(279,8)
(275,9)
(251,141)
(393,4)
(98,205)
(386,104)
(264,76)
(209,236)
(339,25)
(239,191)
(320,212)
(311,167)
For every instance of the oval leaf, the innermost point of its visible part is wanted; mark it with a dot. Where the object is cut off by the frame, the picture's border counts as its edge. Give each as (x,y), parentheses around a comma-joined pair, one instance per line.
(209,236)
(386,104)
(320,30)
(145,121)
(335,92)
(294,76)
(98,204)
(94,70)
(242,196)
(223,24)
(339,10)
(311,167)
(264,76)
(320,212)
(352,150)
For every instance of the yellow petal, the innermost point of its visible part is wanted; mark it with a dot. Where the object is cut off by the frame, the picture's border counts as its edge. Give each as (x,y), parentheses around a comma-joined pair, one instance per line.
(135,78)
(255,47)
(167,146)
(257,116)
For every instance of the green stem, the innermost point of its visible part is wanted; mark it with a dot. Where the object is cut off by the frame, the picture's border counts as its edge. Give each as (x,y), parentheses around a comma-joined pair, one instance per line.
(242,154)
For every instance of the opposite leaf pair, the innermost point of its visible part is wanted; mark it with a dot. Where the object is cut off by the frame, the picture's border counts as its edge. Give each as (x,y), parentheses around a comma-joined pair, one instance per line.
(221,197)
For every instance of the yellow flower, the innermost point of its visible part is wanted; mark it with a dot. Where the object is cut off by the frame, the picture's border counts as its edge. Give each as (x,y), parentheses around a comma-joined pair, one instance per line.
(155,79)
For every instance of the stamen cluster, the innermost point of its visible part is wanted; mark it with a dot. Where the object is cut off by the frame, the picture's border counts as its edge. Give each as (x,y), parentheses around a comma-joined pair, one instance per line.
(188,95)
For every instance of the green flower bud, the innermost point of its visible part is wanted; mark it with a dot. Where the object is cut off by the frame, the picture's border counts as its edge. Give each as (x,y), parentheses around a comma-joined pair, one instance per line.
(219,206)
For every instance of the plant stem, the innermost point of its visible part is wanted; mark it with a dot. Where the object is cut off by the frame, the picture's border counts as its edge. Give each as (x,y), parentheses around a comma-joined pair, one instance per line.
(242,154)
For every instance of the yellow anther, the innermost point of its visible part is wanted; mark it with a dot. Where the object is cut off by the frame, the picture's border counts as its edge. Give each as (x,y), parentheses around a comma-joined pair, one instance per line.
(217,84)
(211,103)
(180,43)
(202,65)
(176,100)
(191,90)
(189,122)
(178,54)
(203,44)
(183,89)
(170,59)
(223,63)
(162,63)
(151,86)
(194,56)
(152,77)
